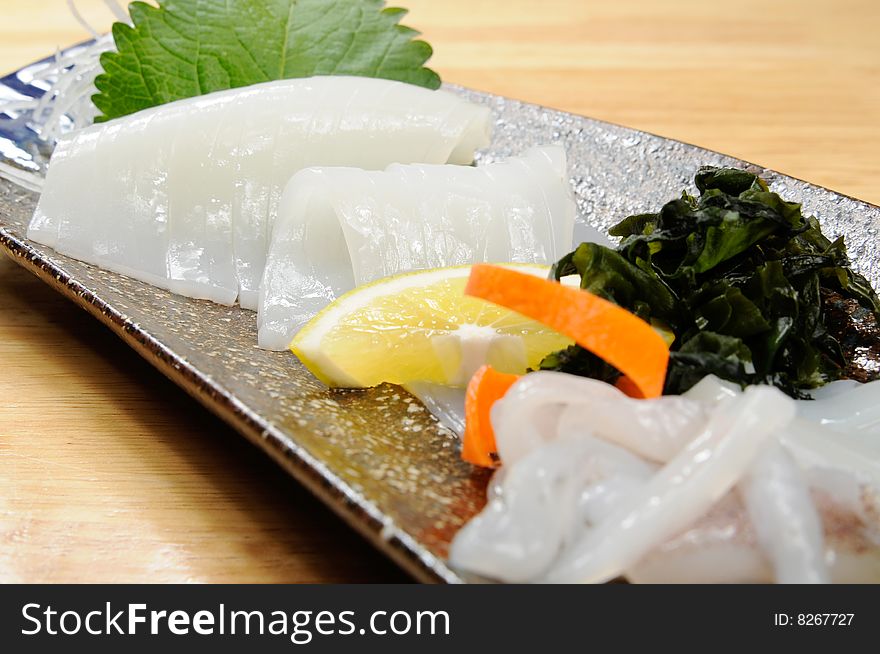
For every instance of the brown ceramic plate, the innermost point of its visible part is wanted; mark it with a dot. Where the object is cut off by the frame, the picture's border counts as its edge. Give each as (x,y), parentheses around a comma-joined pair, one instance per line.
(376,457)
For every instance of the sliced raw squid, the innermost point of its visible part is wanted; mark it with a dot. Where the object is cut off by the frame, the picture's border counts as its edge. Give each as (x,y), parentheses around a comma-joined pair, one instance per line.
(716,485)
(183,195)
(341,227)
(723,547)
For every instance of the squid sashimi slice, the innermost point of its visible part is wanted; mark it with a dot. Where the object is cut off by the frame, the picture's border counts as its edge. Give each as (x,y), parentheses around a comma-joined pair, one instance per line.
(200,194)
(183,195)
(53,209)
(341,227)
(252,201)
(139,245)
(73,221)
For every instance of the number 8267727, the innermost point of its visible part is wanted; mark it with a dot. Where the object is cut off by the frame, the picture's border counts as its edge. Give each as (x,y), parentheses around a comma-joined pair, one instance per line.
(813,619)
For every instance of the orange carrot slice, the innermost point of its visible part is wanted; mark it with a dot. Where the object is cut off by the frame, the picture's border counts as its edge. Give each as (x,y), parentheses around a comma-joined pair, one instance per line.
(485,388)
(626,385)
(611,332)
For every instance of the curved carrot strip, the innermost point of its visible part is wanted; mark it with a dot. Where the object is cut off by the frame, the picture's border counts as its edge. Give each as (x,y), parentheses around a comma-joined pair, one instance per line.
(626,385)
(611,332)
(485,388)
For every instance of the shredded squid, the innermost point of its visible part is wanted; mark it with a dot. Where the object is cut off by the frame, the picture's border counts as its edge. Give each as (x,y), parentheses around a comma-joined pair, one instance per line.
(716,485)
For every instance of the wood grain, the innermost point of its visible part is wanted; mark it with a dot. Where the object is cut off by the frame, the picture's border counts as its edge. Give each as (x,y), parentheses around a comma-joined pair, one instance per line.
(110,473)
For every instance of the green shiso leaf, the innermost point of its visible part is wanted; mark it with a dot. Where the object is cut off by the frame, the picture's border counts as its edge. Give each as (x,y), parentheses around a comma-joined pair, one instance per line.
(737,273)
(186,48)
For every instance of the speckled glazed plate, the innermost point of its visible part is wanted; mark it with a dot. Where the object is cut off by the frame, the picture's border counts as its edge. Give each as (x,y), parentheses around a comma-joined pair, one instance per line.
(376,457)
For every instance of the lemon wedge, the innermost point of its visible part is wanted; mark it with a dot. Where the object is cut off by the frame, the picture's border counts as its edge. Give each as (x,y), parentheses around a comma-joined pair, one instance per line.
(420,326)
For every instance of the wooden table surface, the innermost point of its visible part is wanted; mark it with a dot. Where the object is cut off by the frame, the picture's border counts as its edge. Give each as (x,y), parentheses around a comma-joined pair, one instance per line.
(109,473)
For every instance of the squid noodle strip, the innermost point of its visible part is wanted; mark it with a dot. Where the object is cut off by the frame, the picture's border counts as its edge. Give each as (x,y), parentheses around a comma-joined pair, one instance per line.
(723,547)
(655,429)
(834,389)
(838,430)
(681,491)
(785,519)
(847,409)
(814,447)
(533,507)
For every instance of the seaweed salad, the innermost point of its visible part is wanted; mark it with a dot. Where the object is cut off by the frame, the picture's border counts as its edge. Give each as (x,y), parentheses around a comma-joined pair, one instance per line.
(749,287)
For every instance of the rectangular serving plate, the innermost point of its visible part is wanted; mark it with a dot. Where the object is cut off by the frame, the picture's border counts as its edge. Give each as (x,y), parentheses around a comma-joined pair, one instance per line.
(376,457)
